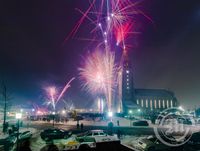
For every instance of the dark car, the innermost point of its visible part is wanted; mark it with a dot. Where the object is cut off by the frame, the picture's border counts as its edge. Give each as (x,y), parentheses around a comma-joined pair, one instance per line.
(49,134)
(140,123)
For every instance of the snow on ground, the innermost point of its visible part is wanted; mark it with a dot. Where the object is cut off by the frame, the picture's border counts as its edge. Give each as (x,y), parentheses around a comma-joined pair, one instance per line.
(123,122)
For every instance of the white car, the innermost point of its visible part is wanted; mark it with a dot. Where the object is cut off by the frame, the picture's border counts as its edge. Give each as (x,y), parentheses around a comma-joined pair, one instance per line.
(99,136)
(151,143)
(75,143)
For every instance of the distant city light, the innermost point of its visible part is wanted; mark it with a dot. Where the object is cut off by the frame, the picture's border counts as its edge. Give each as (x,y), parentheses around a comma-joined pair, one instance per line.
(18,115)
(130,111)
(63,111)
(127,71)
(53,113)
(139,110)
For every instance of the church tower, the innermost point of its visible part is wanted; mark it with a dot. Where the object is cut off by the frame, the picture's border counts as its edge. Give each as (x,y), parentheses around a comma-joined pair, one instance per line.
(128,93)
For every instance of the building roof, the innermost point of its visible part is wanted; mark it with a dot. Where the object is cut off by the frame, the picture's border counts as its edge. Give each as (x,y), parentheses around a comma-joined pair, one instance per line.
(154,92)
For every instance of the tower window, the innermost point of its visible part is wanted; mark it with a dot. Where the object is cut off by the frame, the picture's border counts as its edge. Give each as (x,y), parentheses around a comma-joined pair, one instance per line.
(151,105)
(127,71)
(137,101)
(171,103)
(146,103)
(163,103)
(142,103)
(155,104)
(159,104)
(167,103)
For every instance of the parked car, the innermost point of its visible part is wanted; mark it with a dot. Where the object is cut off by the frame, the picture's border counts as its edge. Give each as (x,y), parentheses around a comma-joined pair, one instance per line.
(25,135)
(140,123)
(54,134)
(151,143)
(12,139)
(83,144)
(99,136)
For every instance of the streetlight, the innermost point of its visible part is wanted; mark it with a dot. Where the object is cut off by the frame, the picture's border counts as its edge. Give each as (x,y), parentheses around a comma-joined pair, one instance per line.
(110,114)
(53,113)
(140,112)
(130,116)
(18,116)
(63,112)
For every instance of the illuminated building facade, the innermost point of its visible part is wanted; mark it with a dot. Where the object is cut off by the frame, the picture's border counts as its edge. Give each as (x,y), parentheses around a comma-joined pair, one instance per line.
(155,99)
(145,99)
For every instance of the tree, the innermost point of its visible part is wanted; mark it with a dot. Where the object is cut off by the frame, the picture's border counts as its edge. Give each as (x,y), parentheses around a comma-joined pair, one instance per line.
(5,97)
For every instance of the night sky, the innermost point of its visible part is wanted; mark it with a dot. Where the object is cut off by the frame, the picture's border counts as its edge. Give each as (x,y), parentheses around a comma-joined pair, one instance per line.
(166,54)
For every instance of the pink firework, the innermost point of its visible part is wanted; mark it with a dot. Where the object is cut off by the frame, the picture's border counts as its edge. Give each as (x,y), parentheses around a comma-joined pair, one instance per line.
(53,97)
(51,94)
(99,74)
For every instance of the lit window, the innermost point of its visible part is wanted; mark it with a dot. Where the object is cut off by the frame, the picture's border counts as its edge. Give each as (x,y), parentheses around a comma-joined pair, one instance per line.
(127,71)
(159,104)
(163,103)
(167,104)
(171,103)
(127,79)
(142,103)
(137,101)
(127,83)
(146,103)
(127,87)
(151,106)
(155,104)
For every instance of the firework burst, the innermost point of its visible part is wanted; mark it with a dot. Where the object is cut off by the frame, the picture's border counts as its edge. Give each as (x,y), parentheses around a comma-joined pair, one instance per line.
(53,97)
(114,21)
(99,74)
(113,18)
